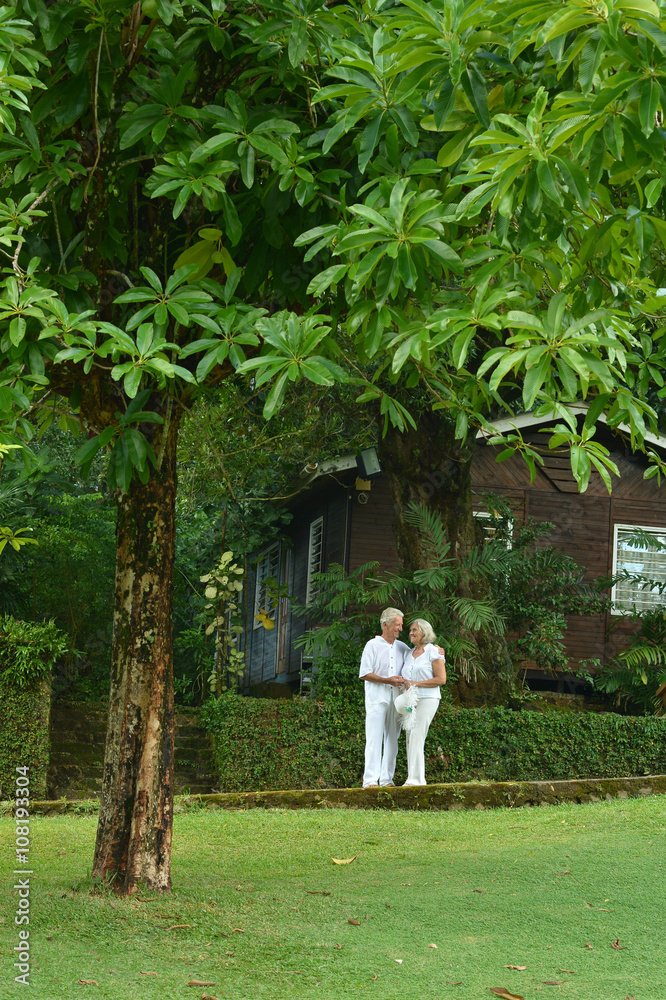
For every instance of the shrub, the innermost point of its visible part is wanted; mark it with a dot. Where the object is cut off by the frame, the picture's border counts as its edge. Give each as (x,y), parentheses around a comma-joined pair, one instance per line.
(261,744)
(28,652)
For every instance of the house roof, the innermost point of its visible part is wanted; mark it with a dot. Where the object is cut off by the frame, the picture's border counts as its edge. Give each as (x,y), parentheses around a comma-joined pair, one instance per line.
(529,420)
(318,470)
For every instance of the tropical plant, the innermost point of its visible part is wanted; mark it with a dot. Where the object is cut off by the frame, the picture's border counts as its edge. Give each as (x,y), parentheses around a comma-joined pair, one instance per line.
(28,650)
(636,676)
(224,586)
(541,587)
(432,593)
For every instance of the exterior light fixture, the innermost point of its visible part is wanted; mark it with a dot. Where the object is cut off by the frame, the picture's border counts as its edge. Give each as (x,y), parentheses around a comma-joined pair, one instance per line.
(368,465)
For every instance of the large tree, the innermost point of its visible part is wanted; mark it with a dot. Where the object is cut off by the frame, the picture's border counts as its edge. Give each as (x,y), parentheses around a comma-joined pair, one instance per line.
(477,186)
(156,172)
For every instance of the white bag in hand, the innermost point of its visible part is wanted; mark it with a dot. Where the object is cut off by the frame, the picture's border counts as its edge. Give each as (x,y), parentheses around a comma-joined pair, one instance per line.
(405,705)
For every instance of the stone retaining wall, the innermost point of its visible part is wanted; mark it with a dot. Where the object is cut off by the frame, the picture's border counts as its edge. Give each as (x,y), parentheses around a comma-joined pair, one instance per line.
(470,795)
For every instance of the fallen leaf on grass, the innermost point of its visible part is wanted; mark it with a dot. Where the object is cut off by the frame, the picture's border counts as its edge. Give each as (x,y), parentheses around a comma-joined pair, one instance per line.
(520,968)
(374,977)
(588,945)
(344,861)
(356,923)
(339,947)
(454,984)
(175,927)
(432,945)
(238,930)
(207,996)
(570,971)
(618,947)
(398,960)
(317,892)
(88,982)
(602,909)
(480,891)
(148,973)
(500,991)
(553,982)
(200,982)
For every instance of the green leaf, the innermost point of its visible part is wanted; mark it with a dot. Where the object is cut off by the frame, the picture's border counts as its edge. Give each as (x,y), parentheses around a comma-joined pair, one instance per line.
(535,377)
(369,138)
(648,104)
(298,41)
(475,88)
(548,181)
(322,281)
(452,150)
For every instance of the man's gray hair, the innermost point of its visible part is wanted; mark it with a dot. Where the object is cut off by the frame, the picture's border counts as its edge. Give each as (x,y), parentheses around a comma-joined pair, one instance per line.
(389,614)
(427,632)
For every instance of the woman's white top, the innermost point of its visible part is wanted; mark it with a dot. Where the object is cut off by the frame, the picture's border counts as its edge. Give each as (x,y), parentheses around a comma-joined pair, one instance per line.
(419,668)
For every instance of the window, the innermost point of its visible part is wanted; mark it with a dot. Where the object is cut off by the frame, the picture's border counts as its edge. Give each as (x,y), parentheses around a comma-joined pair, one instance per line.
(631,555)
(315,550)
(268,566)
(491,532)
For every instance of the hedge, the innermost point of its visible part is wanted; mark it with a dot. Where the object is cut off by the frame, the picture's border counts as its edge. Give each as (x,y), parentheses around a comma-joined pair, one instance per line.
(261,744)
(28,651)
(24,736)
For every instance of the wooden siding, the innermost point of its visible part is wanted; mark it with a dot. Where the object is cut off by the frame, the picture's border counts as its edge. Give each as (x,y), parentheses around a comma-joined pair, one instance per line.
(372,536)
(583,524)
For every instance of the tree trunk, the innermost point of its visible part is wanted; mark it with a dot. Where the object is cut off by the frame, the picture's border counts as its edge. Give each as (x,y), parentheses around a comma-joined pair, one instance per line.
(430,466)
(134,834)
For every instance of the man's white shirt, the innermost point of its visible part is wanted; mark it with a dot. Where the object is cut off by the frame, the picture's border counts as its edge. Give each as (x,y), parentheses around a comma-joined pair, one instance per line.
(384,659)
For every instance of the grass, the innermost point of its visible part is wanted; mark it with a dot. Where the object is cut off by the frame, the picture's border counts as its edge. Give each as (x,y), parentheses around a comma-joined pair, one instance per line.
(265,914)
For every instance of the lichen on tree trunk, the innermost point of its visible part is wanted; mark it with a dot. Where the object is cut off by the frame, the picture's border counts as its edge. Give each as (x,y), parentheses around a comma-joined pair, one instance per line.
(428,465)
(133,844)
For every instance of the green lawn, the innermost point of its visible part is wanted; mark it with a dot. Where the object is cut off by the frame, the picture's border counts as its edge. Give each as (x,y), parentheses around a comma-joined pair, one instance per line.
(265,913)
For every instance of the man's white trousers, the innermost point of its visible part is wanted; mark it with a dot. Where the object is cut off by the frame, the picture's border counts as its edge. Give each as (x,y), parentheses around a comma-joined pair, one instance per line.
(382,728)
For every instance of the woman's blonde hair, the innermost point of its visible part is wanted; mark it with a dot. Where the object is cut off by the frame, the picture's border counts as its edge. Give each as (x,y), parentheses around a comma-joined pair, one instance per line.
(427,633)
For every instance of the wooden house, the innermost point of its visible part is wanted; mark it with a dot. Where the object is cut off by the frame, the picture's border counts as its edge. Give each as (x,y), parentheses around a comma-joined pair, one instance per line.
(338,519)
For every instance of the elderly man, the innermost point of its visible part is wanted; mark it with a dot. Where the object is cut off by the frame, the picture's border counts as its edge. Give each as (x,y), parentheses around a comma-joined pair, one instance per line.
(381,667)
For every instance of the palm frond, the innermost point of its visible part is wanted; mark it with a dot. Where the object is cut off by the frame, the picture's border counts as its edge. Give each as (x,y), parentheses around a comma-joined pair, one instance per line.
(643,655)
(478,614)
(432,533)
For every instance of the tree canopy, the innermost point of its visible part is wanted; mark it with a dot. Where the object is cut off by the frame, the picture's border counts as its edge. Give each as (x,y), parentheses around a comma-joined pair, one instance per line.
(459,198)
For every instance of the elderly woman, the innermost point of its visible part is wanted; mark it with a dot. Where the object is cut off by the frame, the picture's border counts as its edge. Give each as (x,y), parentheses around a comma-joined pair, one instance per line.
(424,670)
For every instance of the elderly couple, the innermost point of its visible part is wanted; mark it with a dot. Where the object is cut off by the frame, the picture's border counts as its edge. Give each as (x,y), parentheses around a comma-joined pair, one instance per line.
(387,666)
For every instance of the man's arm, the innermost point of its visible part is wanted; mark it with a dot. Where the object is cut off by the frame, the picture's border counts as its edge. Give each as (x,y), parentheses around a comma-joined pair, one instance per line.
(376,679)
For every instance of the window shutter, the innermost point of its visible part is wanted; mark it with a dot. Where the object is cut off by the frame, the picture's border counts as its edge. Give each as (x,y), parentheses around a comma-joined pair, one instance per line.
(268,566)
(315,551)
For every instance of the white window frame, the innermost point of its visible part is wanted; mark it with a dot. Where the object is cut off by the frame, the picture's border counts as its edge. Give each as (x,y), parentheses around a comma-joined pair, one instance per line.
(484,515)
(315,554)
(268,564)
(627,608)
